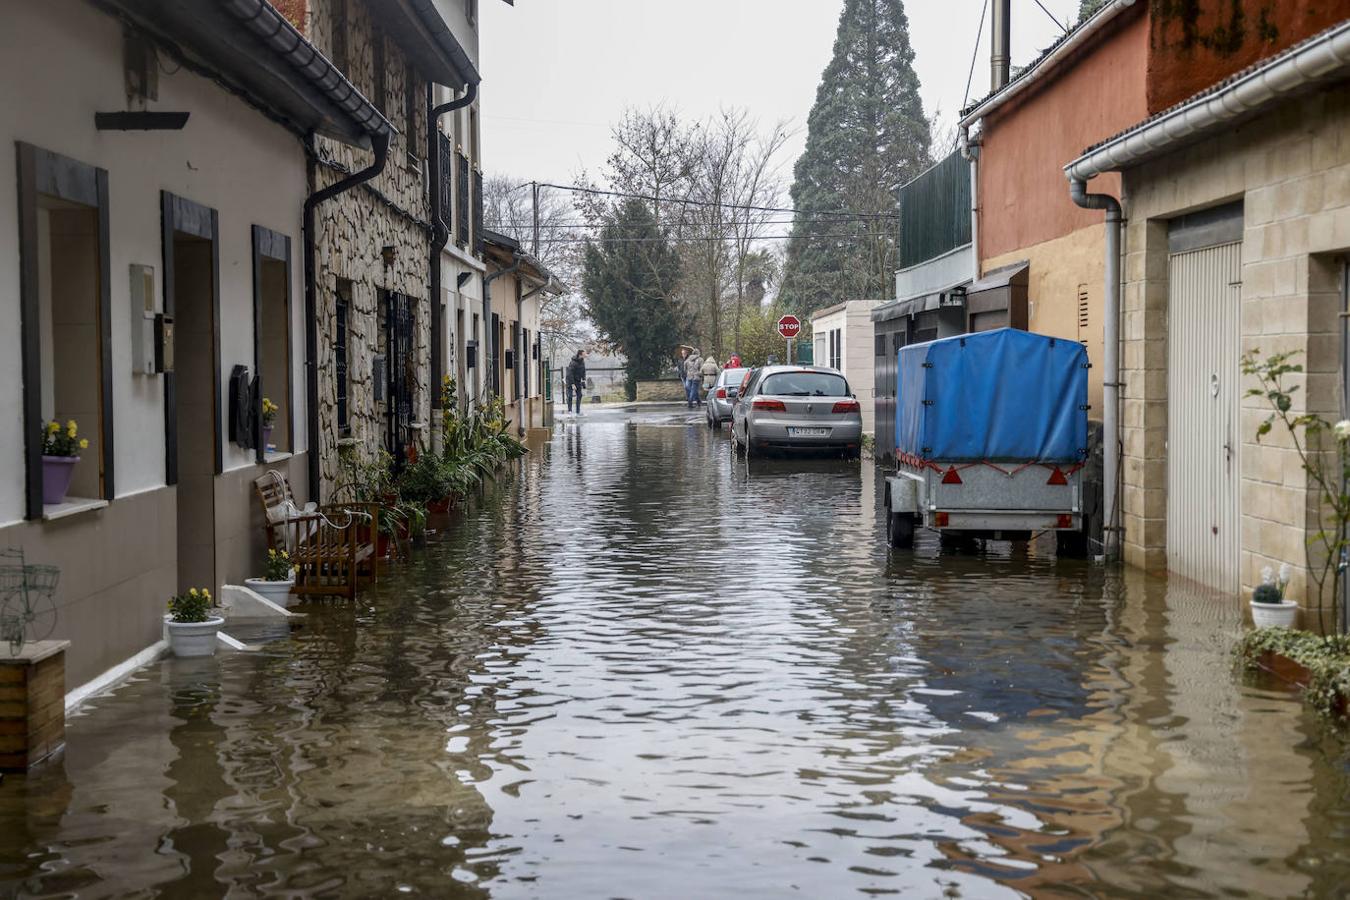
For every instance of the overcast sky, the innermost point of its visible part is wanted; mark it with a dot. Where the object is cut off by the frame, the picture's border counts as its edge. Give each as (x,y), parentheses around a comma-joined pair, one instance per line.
(556,73)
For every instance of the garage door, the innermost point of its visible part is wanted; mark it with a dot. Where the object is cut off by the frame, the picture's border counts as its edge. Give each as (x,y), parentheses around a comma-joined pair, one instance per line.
(1204,525)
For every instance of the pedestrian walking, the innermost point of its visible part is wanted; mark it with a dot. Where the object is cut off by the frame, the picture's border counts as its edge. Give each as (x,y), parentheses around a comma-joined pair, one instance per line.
(693,373)
(679,368)
(576,380)
(734,361)
(710,372)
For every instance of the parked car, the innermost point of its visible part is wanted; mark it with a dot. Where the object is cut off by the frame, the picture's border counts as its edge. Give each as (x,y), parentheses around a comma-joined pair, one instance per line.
(797,408)
(723,395)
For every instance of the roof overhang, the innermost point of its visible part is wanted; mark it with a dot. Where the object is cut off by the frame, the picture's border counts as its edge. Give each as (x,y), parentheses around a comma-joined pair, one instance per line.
(1032,75)
(503,251)
(420,30)
(255,51)
(1321,59)
(954,296)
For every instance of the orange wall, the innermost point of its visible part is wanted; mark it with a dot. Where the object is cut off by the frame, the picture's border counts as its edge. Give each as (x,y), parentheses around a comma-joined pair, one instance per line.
(1024,196)
(1196,43)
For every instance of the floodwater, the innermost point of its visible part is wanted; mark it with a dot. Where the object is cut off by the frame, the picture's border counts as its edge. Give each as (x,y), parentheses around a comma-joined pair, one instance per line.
(642,669)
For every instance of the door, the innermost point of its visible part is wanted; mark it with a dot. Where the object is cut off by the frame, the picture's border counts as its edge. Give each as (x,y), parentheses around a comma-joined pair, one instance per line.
(1204,522)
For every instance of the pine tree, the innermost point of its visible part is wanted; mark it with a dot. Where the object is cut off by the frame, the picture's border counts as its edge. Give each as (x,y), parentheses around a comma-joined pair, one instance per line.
(1088,7)
(866,134)
(628,276)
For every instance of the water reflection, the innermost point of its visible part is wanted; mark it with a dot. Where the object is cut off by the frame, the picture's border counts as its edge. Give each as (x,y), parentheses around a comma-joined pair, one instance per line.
(645,668)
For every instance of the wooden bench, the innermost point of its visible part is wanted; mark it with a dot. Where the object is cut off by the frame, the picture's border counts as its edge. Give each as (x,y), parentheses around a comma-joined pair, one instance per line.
(333,547)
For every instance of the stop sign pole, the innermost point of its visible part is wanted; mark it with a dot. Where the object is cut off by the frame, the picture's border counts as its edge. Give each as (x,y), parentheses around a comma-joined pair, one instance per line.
(789,326)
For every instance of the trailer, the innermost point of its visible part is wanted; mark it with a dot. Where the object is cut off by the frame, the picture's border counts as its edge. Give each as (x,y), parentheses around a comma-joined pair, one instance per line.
(991,438)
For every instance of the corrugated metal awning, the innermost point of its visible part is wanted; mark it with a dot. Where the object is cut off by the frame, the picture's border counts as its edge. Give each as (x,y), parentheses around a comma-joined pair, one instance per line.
(912,306)
(997,278)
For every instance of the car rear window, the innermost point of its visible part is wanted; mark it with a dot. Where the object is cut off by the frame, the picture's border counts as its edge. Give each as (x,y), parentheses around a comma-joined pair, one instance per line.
(733,376)
(805,384)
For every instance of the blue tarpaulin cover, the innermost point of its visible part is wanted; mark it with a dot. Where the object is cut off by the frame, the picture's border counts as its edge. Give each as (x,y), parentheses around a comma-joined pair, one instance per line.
(1004,395)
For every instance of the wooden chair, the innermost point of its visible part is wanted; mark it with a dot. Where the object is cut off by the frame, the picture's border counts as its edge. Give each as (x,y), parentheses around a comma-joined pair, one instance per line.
(333,547)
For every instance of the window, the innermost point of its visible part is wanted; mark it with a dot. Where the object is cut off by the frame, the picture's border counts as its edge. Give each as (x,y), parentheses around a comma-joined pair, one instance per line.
(836,348)
(341,338)
(478,213)
(880,342)
(411,104)
(65,318)
(272,326)
(462,200)
(337,45)
(804,384)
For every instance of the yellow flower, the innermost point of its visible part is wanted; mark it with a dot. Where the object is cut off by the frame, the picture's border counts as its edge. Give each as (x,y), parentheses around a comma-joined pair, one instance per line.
(272,553)
(53,427)
(192,592)
(70,426)
(84,443)
(206,593)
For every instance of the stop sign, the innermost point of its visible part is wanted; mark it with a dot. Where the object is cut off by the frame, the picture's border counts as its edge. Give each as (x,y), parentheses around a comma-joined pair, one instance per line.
(789,326)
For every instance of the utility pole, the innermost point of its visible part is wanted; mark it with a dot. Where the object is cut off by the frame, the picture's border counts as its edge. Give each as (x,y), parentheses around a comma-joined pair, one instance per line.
(534,189)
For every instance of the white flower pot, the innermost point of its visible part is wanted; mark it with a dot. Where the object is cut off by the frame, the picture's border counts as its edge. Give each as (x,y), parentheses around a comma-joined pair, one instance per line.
(279,592)
(1279,614)
(193,638)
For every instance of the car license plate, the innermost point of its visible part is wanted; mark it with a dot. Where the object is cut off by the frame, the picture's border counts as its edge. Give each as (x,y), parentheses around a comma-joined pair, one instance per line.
(808,432)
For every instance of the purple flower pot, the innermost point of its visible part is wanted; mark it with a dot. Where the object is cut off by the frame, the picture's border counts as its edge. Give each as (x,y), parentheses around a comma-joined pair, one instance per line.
(56,474)
(267,438)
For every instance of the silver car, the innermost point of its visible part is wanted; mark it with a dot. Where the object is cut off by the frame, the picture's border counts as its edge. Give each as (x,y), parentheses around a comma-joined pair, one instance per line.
(722,396)
(797,408)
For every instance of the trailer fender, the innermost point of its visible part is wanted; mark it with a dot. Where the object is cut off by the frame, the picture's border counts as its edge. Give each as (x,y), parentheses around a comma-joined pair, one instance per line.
(902,493)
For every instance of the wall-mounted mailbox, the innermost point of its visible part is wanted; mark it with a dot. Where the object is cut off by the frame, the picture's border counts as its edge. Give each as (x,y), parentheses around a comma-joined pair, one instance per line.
(470,354)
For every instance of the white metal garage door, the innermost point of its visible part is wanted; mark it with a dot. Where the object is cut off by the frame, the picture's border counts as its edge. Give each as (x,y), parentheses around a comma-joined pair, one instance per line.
(1204,525)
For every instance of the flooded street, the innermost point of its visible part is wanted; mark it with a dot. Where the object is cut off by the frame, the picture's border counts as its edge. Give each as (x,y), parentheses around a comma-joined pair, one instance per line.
(641,669)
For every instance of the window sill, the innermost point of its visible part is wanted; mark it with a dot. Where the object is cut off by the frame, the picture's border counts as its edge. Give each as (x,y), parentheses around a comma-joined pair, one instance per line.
(72,506)
(274,456)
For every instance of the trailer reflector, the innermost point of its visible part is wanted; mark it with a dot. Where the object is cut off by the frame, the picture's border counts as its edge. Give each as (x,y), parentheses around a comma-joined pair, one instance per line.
(1057,477)
(951,476)
(940,520)
(1063,521)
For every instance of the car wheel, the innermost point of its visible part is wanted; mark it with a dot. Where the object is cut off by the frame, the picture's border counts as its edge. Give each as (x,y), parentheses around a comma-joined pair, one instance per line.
(736,441)
(899,529)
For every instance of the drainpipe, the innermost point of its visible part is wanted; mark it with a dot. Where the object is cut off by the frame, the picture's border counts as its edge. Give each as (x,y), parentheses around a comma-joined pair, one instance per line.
(970,152)
(1111,376)
(380,144)
(439,232)
(490,333)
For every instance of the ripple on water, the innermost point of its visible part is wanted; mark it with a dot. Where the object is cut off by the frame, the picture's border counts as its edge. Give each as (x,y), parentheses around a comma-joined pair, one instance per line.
(643,668)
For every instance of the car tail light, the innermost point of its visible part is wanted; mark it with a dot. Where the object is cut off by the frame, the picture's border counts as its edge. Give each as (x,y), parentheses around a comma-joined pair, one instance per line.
(940,520)
(769,405)
(1063,521)
(846,406)
(952,476)
(721,393)
(1057,477)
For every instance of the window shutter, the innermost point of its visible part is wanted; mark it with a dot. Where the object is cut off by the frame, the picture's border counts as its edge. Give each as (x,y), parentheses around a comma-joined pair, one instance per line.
(462,201)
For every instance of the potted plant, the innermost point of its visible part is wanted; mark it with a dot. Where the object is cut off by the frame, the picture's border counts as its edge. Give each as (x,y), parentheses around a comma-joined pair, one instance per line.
(60,452)
(1269,608)
(192,628)
(278,578)
(269,417)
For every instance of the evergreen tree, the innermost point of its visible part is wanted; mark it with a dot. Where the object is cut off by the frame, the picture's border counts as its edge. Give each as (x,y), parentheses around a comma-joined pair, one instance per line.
(866,134)
(628,275)
(1088,7)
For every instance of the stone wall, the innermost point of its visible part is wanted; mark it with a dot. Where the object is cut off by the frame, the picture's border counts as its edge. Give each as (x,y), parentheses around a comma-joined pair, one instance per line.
(1292,169)
(352,229)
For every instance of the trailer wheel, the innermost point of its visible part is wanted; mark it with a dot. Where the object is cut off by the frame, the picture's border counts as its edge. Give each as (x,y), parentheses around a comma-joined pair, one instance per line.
(899,529)
(1071,544)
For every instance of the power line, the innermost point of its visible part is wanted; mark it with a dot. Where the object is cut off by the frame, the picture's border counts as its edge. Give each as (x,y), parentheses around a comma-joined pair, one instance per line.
(729,237)
(776,209)
(975,53)
(732,224)
(1051,15)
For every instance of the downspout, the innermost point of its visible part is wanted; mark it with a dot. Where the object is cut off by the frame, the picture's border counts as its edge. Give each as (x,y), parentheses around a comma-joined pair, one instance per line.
(1111,376)
(380,144)
(440,234)
(489,333)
